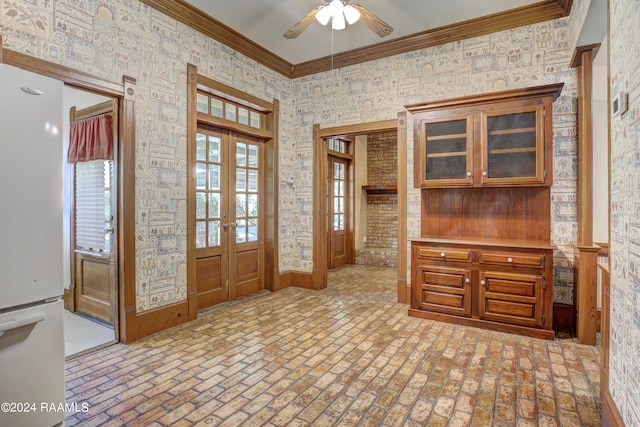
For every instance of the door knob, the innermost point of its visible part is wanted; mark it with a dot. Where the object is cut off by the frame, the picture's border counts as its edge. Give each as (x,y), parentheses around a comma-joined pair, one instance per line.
(225,226)
(108,231)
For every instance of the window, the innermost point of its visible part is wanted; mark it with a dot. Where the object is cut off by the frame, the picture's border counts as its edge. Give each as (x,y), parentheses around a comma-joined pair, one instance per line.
(226,109)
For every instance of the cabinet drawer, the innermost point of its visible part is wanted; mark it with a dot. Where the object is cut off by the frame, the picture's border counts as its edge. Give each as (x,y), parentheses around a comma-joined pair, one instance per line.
(443,254)
(443,290)
(520,260)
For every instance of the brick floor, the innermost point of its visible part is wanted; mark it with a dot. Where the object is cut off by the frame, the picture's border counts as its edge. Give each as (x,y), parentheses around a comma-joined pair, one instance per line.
(347,356)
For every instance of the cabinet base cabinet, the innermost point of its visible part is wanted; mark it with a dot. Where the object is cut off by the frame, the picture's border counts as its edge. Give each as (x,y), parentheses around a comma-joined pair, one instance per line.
(502,287)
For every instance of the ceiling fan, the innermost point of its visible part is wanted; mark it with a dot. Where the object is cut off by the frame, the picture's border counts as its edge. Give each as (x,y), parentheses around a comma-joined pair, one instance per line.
(338,11)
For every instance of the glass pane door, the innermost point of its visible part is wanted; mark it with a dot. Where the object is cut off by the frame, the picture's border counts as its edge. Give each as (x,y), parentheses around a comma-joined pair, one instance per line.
(208,190)
(447,150)
(513,146)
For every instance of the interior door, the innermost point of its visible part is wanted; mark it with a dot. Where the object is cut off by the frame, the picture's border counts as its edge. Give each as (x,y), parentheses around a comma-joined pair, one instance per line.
(338,210)
(229,226)
(94,222)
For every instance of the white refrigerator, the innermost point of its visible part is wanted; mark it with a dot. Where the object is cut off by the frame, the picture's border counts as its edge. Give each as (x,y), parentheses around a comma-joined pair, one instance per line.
(32,389)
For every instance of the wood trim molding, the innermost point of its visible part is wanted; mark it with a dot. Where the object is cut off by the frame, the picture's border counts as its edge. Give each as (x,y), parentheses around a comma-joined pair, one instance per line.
(156,320)
(527,15)
(585,148)
(401,141)
(519,93)
(611,416)
(127,331)
(319,208)
(68,75)
(69,298)
(358,129)
(192,127)
(296,279)
(272,255)
(576,58)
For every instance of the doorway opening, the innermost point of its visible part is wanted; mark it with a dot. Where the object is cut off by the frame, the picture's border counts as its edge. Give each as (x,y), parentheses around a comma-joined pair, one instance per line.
(368,208)
(90,218)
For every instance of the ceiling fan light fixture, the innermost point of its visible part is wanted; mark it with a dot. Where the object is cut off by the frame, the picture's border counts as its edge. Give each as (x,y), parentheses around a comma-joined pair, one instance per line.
(351,14)
(337,23)
(336,7)
(324,15)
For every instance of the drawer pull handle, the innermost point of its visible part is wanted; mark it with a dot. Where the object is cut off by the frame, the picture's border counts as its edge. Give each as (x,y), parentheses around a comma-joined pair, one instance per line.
(509,259)
(467,280)
(468,173)
(484,173)
(442,254)
(482,282)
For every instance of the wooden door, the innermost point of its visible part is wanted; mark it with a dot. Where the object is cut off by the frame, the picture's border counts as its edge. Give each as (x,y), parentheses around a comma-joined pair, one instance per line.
(229,218)
(94,208)
(339,212)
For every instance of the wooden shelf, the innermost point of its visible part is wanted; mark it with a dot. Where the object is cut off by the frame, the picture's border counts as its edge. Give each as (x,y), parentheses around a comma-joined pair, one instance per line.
(513,150)
(450,154)
(380,189)
(512,131)
(447,137)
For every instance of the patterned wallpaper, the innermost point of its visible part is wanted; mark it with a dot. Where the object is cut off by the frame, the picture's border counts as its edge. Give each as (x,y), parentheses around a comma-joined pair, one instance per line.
(112,38)
(109,38)
(624,55)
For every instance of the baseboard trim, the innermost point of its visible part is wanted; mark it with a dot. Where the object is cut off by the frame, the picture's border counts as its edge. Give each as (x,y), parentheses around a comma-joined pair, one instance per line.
(610,413)
(564,316)
(156,320)
(296,279)
(67,298)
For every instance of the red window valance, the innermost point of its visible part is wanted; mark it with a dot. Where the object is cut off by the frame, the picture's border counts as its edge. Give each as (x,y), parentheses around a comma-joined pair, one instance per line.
(91,139)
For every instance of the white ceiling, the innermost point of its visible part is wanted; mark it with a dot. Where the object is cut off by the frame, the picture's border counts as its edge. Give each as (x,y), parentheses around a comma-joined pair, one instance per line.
(265,21)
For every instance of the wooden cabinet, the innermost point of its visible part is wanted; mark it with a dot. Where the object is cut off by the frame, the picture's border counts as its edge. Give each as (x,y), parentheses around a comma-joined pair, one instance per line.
(496,285)
(484,256)
(500,139)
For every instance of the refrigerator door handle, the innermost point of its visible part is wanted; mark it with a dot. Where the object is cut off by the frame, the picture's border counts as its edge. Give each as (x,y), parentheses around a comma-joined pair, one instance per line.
(17,323)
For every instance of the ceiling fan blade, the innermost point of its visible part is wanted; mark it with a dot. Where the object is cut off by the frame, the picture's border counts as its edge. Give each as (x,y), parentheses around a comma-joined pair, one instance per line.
(302,24)
(374,23)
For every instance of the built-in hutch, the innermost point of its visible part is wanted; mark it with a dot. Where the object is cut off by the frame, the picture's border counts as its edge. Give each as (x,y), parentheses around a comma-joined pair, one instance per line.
(484,166)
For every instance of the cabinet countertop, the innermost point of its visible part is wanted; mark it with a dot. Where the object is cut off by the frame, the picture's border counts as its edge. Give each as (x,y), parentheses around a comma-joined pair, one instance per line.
(516,244)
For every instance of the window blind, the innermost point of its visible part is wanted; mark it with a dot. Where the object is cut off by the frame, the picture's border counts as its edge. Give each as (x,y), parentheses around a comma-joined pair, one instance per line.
(91,205)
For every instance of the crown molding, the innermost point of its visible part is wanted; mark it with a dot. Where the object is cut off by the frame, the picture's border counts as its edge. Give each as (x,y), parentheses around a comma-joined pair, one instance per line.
(196,19)
(527,15)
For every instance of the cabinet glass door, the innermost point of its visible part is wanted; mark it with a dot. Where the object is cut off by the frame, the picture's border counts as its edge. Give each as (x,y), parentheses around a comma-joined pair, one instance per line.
(513,146)
(447,151)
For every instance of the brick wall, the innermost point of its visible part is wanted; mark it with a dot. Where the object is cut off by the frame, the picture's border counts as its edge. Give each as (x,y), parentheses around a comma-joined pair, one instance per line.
(382,159)
(382,209)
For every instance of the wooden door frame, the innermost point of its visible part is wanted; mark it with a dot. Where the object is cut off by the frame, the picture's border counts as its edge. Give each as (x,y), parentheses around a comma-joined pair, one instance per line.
(125,324)
(106,107)
(320,159)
